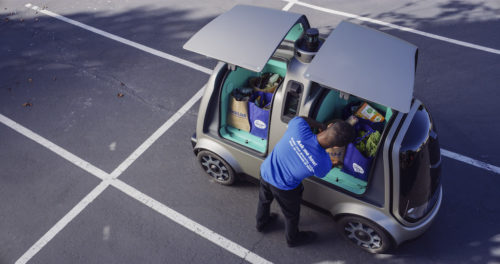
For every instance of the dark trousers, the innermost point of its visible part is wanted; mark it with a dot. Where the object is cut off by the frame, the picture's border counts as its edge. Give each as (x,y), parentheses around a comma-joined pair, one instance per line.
(288,200)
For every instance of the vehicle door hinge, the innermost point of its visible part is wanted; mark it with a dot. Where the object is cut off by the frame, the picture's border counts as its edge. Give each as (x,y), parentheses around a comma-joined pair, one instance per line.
(344,96)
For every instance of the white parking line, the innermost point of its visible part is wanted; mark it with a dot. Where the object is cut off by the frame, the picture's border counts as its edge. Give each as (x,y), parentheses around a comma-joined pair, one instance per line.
(186,222)
(112,179)
(157,134)
(289,5)
(378,22)
(122,40)
(189,224)
(54,148)
(63,222)
(473,162)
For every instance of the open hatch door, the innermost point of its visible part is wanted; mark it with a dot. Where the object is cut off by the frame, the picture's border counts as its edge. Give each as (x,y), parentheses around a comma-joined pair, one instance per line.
(246,36)
(368,64)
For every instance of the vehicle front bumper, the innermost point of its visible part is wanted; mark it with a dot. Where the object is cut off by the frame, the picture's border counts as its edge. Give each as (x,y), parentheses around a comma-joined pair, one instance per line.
(194,140)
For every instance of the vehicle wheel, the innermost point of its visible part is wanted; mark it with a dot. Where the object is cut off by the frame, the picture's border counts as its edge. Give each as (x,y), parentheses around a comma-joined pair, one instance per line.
(216,167)
(365,234)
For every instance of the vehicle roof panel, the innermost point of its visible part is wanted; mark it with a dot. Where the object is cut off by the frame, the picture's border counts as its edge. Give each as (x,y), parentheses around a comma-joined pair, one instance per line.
(246,36)
(368,64)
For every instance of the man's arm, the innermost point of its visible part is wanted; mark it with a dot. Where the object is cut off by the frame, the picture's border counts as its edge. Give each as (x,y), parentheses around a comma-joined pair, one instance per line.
(314,124)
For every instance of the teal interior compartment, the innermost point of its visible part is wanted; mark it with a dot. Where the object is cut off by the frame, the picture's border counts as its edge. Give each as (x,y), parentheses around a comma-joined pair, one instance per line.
(236,79)
(295,33)
(331,108)
(345,181)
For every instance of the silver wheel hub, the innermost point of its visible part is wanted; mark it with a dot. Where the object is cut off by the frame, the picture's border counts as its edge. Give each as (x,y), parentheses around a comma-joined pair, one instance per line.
(363,235)
(215,168)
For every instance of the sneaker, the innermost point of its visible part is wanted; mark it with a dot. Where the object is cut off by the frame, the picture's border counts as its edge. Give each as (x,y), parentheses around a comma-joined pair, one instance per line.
(272,218)
(303,238)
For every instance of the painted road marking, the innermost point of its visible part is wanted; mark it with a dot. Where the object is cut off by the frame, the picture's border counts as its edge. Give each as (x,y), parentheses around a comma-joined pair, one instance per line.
(122,40)
(289,5)
(139,151)
(157,134)
(54,148)
(112,180)
(63,222)
(473,162)
(133,156)
(189,224)
(378,22)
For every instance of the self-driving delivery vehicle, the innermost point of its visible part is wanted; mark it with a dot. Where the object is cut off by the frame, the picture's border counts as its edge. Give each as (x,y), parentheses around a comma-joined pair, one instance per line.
(397,193)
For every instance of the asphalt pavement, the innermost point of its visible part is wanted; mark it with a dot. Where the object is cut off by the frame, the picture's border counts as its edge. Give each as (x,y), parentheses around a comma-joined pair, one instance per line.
(99,100)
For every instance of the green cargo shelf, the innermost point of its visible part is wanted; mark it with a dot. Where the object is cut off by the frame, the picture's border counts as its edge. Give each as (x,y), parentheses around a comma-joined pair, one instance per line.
(244,138)
(345,181)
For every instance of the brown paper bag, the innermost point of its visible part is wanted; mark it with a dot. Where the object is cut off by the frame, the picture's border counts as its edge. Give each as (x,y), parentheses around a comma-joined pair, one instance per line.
(237,116)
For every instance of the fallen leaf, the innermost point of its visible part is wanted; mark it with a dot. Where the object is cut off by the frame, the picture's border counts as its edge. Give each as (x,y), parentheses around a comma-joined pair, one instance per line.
(28,104)
(30,80)
(120,95)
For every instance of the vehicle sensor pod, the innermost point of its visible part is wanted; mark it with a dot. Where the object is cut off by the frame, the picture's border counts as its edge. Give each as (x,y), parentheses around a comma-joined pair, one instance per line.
(308,45)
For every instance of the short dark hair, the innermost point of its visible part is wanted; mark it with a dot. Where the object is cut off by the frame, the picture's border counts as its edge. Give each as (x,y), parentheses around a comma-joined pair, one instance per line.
(340,134)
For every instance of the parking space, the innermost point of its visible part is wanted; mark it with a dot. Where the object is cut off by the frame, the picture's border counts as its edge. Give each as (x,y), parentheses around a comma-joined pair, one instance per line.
(100,100)
(74,89)
(115,227)
(37,189)
(169,173)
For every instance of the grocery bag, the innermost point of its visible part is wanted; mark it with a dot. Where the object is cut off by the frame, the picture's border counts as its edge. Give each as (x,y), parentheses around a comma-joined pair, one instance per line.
(238,114)
(355,163)
(352,108)
(267,83)
(258,107)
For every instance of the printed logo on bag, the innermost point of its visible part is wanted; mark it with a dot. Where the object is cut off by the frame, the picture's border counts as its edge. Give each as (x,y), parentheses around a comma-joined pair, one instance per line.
(238,114)
(358,168)
(259,124)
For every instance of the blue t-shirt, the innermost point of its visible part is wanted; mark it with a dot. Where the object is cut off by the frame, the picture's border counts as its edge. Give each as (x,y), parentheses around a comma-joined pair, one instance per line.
(297,155)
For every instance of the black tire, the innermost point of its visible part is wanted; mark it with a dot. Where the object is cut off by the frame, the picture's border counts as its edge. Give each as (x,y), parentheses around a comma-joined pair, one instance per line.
(365,234)
(216,167)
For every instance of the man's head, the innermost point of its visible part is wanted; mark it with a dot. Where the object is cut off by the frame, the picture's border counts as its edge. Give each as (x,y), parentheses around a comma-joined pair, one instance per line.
(338,134)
